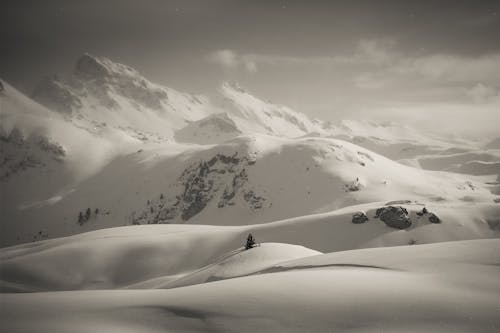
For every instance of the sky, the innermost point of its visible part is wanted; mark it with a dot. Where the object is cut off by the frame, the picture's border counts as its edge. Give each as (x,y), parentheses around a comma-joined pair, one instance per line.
(429,63)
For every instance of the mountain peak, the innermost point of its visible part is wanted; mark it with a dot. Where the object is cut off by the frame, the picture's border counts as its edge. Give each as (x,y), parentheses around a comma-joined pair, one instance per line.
(232,85)
(89,66)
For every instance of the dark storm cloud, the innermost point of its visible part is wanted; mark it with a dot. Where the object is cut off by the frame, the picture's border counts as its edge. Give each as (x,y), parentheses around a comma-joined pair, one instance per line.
(318,56)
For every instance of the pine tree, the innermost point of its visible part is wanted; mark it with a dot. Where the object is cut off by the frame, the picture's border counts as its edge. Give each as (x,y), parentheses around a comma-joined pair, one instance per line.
(250,242)
(87,214)
(80,218)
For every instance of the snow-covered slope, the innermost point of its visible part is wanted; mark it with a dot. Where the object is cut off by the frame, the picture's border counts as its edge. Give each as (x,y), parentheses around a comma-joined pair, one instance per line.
(248,180)
(234,264)
(175,255)
(245,113)
(101,93)
(215,128)
(428,151)
(106,158)
(43,153)
(400,289)
(471,162)
(191,176)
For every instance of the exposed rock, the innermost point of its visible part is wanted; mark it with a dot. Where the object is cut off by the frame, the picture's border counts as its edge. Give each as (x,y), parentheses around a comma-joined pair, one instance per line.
(91,67)
(253,200)
(394,217)
(423,212)
(222,178)
(433,218)
(51,147)
(19,153)
(353,187)
(359,217)
(56,96)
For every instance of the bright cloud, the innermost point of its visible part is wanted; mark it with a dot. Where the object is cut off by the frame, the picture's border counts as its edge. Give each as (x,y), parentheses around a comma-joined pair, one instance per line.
(232,60)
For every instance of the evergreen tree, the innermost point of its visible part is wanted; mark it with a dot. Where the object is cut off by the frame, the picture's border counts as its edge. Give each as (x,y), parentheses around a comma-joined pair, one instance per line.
(87,214)
(80,218)
(250,242)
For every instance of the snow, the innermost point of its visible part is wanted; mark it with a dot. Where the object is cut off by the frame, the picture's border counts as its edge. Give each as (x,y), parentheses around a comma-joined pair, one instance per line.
(440,287)
(215,128)
(252,179)
(242,262)
(156,255)
(174,182)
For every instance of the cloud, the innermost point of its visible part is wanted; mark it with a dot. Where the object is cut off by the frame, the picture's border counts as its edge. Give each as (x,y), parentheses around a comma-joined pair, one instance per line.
(250,66)
(232,60)
(452,68)
(481,93)
(376,79)
(378,59)
(374,52)
(226,58)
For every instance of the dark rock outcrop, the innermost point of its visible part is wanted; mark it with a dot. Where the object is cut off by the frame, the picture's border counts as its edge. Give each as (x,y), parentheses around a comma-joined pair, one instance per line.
(222,179)
(359,217)
(394,217)
(433,218)
(423,212)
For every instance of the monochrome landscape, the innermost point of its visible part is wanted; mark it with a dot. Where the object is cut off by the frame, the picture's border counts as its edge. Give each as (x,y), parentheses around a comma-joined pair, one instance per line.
(132,205)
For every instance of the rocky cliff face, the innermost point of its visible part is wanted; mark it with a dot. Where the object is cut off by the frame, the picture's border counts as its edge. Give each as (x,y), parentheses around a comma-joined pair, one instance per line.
(221,180)
(20,153)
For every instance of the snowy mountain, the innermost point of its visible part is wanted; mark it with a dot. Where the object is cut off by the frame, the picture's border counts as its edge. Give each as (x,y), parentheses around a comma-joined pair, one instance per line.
(225,159)
(116,192)
(425,150)
(101,93)
(248,180)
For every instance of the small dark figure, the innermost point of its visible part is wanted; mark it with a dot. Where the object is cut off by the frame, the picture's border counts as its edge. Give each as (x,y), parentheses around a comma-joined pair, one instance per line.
(81,219)
(87,214)
(96,211)
(250,242)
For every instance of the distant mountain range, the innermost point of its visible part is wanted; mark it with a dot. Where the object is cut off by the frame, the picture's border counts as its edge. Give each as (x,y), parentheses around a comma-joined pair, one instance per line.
(106,147)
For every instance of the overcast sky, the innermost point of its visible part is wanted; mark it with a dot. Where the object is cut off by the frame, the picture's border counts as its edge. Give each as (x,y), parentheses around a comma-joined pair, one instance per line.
(432,63)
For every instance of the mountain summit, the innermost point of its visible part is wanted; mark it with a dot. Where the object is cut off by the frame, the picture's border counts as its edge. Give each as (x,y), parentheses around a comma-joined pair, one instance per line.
(101,92)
